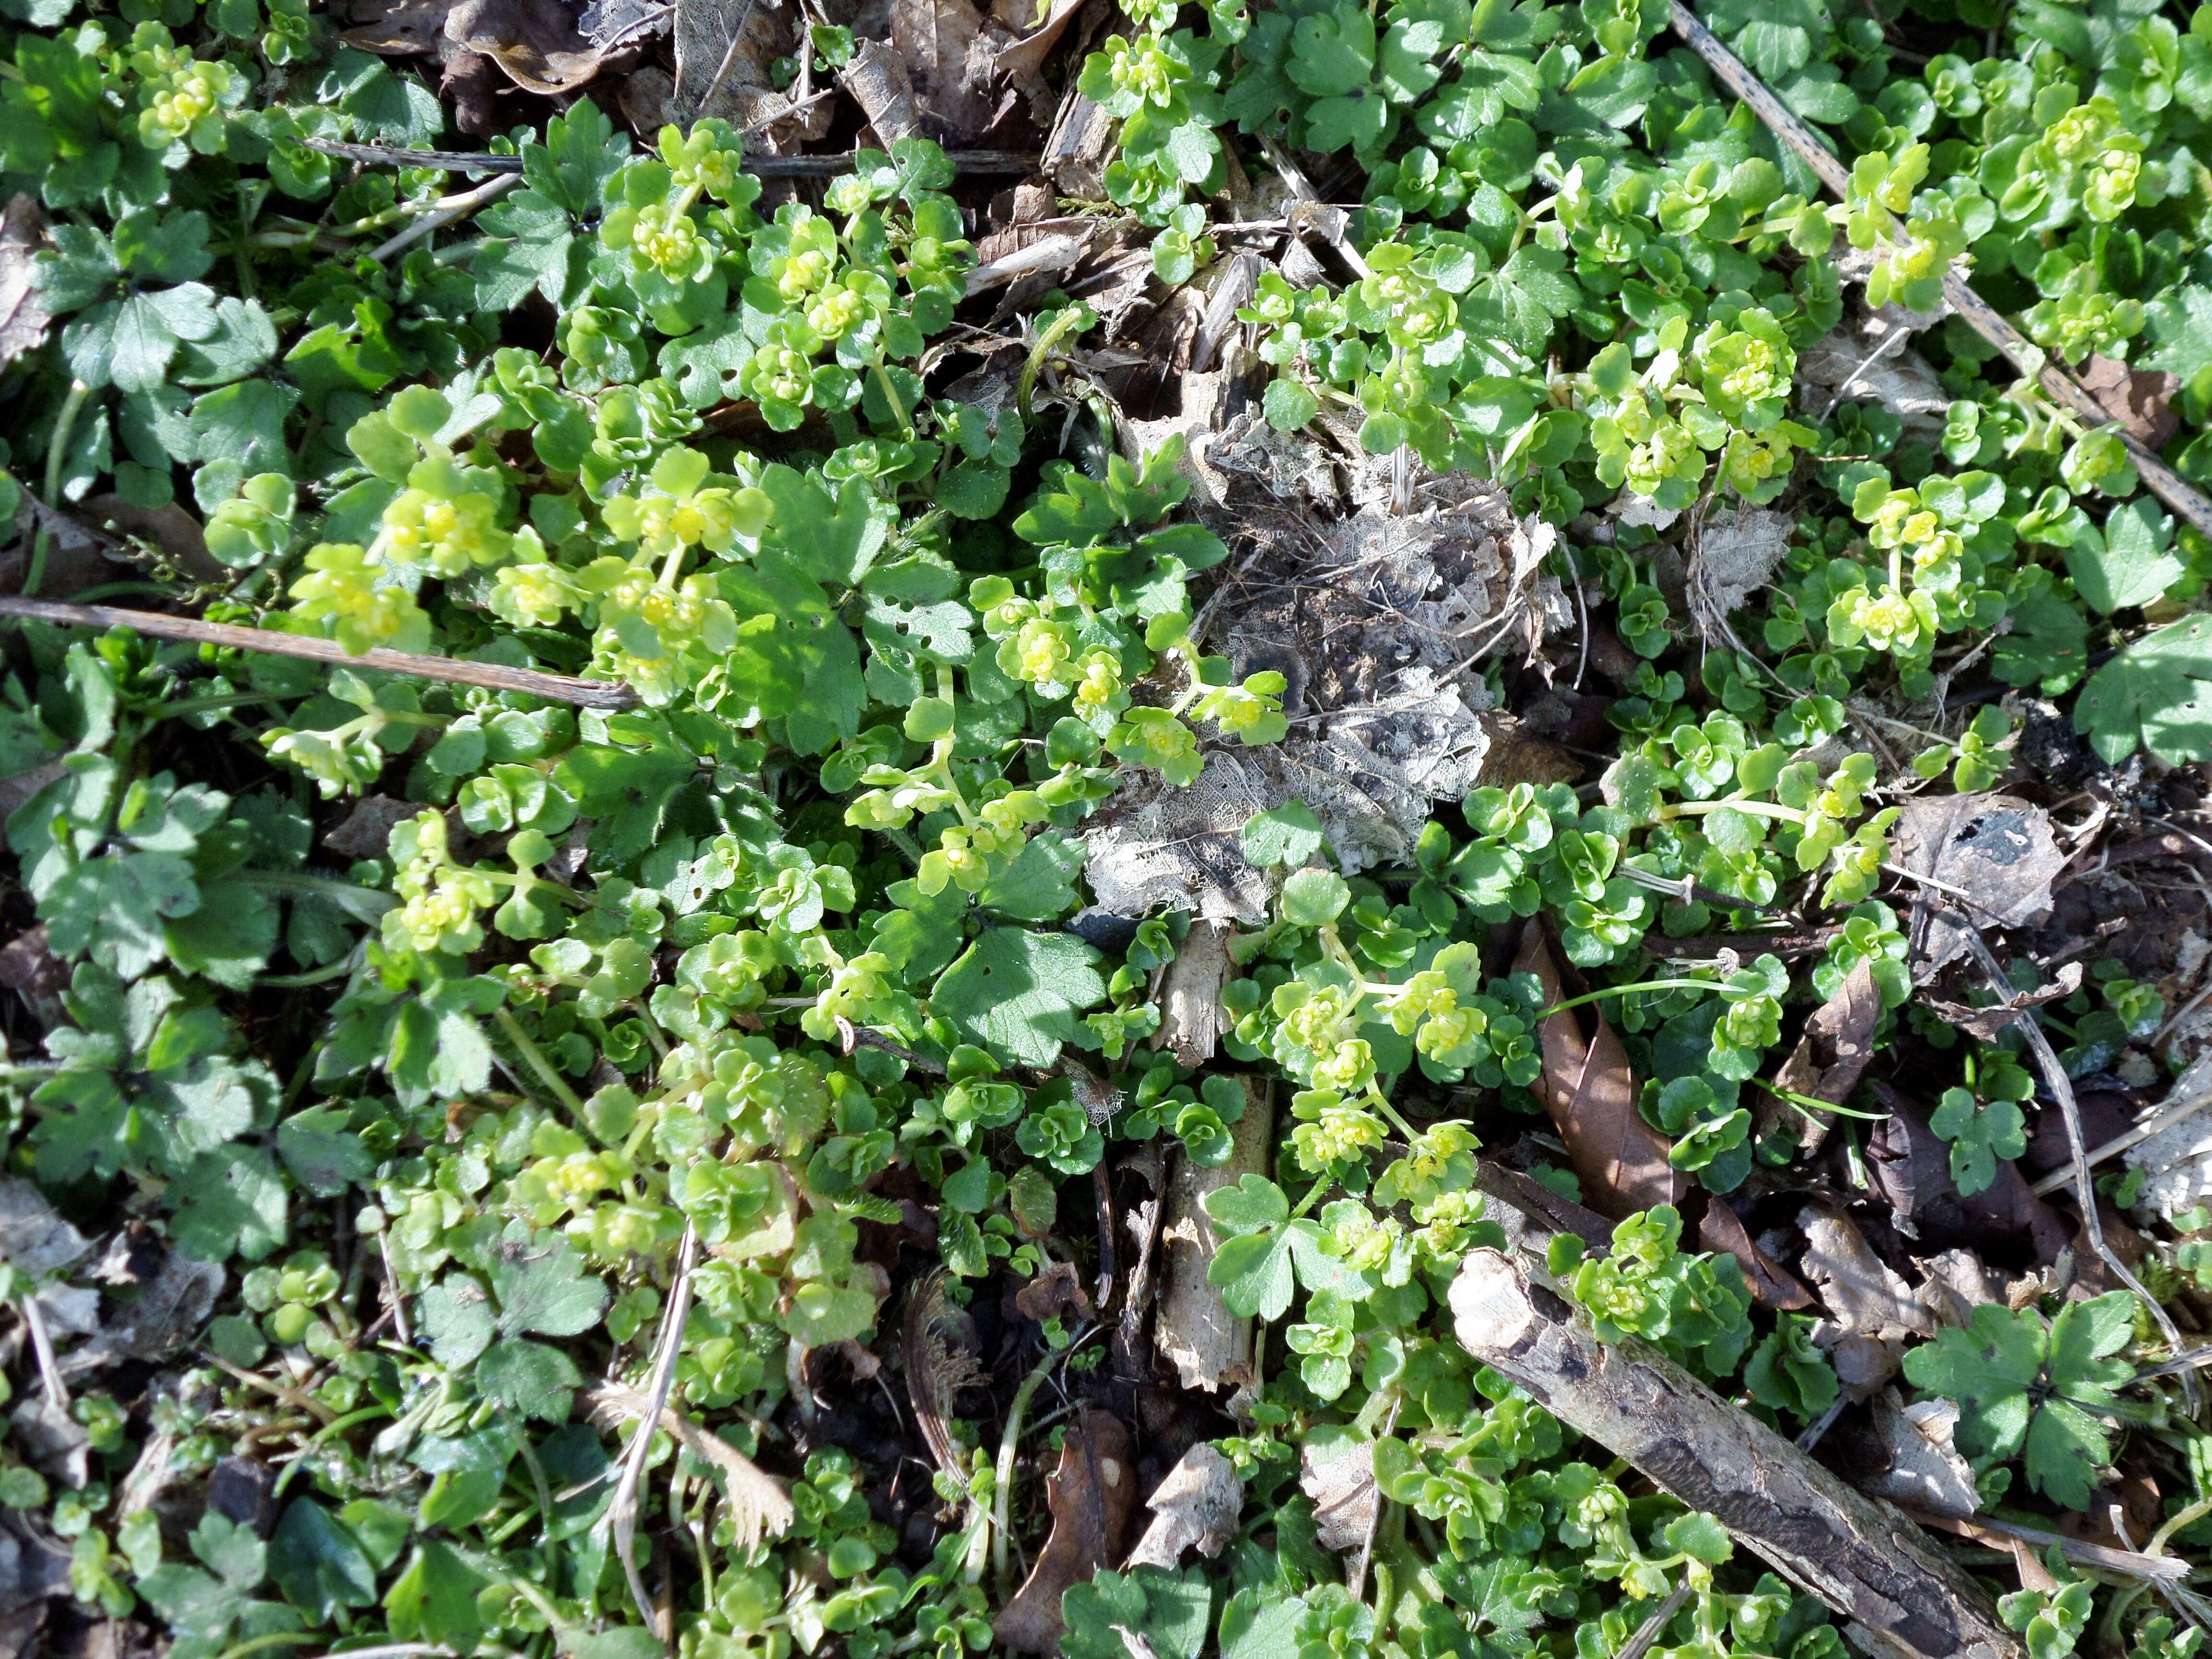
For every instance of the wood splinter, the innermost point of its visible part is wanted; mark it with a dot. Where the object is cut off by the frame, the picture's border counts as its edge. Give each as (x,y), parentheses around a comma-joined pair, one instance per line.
(1861,1556)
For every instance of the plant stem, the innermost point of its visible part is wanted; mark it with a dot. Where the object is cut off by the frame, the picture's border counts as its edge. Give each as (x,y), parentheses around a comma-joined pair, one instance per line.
(534,1057)
(57,455)
(1624,990)
(1003,1500)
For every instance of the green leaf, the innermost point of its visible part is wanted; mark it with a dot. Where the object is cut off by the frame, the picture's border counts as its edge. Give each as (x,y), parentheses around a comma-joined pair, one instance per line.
(527,248)
(435,1599)
(2131,563)
(1700,1537)
(1333,52)
(542,1287)
(318,1564)
(1018,993)
(1040,885)
(232,1551)
(581,152)
(1172,1613)
(529,1377)
(1288,403)
(2154,694)
(323,1151)
(2181,323)
(230,1202)
(1313,897)
(1286,835)
(457,1317)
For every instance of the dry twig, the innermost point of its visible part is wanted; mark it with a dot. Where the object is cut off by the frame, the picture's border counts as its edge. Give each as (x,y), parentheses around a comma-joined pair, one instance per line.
(622,1513)
(2161,480)
(154,624)
(2062,1091)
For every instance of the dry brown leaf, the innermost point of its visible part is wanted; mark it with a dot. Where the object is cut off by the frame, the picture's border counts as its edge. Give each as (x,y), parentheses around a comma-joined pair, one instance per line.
(878,80)
(759,1506)
(24,318)
(1984,1023)
(948,56)
(1092,1495)
(1022,61)
(2140,399)
(1340,1479)
(33,1237)
(170,1305)
(1828,1061)
(1772,1285)
(399,28)
(1862,1296)
(1925,1471)
(169,527)
(1953,1283)
(535,42)
(1912,1164)
(1056,1292)
(611,24)
(1196,1505)
(1997,848)
(1590,1093)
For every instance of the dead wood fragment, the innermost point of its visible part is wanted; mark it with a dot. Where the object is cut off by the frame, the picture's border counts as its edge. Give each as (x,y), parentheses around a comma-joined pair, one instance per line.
(1862,1557)
(560,688)
(1092,1495)
(1590,1093)
(1999,1534)
(1209,1347)
(1195,1506)
(1190,994)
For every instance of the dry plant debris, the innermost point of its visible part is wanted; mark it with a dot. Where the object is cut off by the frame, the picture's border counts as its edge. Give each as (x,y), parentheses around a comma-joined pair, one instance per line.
(1259,830)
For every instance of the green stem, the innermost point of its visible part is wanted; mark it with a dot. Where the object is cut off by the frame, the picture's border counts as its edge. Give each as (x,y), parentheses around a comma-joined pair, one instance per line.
(279,1638)
(57,456)
(2174,1522)
(367,1413)
(1313,1197)
(1625,990)
(1803,1102)
(1073,319)
(212,703)
(1002,1501)
(322,975)
(534,1057)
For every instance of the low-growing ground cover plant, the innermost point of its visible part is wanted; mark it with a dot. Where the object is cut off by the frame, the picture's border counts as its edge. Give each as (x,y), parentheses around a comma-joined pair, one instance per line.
(416,1085)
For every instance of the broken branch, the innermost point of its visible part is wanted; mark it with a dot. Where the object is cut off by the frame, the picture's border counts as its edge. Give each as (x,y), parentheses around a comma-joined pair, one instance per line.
(2161,480)
(496,677)
(1860,1555)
